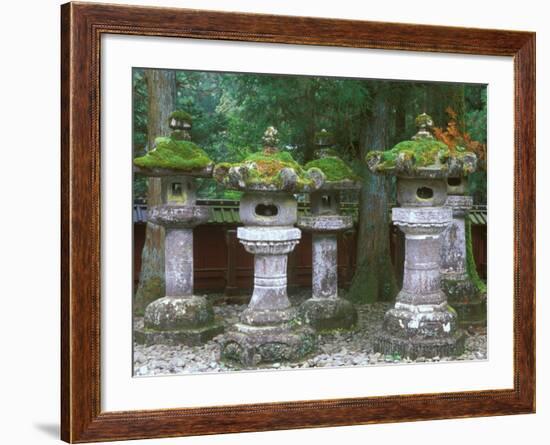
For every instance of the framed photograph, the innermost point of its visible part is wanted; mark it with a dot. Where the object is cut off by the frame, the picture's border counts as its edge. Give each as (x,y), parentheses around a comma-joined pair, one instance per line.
(274,222)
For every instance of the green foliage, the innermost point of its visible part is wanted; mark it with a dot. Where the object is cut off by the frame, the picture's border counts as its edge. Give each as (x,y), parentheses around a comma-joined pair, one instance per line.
(470,261)
(140,187)
(476,126)
(231,112)
(476,112)
(174,154)
(335,169)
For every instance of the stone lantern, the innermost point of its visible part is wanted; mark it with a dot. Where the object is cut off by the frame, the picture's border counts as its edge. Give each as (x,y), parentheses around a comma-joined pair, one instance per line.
(461,291)
(421,323)
(180,316)
(325,310)
(269,329)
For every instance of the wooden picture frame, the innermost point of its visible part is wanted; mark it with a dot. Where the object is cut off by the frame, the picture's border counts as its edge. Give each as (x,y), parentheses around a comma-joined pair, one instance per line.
(82,26)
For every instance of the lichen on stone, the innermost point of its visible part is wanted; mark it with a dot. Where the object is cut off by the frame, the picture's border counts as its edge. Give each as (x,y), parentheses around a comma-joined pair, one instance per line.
(172,154)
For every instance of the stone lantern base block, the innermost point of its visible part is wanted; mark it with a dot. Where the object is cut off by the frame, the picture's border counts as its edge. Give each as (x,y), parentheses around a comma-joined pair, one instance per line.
(423,347)
(179,320)
(174,313)
(464,297)
(189,337)
(413,334)
(250,346)
(327,314)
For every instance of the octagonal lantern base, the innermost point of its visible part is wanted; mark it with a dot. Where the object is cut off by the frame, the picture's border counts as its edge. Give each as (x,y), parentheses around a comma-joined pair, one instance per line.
(328,314)
(186,320)
(189,336)
(413,348)
(420,332)
(252,346)
(464,297)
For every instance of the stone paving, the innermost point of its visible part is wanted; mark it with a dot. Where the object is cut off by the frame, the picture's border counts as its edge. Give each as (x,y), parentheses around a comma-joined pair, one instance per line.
(337,349)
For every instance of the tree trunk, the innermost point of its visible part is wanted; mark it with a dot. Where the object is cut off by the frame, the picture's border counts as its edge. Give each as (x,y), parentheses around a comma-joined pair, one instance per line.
(440,97)
(161,89)
(374,279)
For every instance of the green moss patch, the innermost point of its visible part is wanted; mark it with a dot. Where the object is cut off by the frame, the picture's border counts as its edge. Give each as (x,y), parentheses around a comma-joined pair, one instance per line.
(264,169)
(422,153)
(335,169)
(174,154)
(180,115)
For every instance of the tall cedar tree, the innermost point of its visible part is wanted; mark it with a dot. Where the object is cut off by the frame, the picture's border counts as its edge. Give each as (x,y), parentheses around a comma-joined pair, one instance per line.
(161,89)
(374,278)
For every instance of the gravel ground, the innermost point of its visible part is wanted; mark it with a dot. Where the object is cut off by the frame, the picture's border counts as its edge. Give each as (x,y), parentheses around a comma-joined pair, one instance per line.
(339,349)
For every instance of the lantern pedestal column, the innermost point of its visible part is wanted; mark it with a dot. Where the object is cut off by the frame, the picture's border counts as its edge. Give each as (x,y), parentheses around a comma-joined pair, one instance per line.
(461,292)
(180,317)
(269,330)
(421,324)
(325,311)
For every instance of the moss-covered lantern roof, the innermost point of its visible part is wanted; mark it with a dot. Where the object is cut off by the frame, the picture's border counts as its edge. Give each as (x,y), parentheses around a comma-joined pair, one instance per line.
(175,155)
(423,156)
(269,170)
(338,174)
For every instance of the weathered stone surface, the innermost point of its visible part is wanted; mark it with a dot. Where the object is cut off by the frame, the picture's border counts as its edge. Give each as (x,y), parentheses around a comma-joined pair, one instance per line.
(269,330)
(422,221)
(179,216)
(253,346)
(420,192)
(325,223)
(457,186)
(179,316)
(325,266)
(178,262)
(267,209)
(426,347)
(190,337)
(269,240)
(328,314)
(170,313)
(269,303)
(460,290)
(421,322)
(464,297)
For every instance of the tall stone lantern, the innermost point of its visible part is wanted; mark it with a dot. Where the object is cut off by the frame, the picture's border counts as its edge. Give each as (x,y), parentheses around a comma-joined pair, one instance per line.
(461,291)
(421,323)
(180,316)
(269,329)
(325,310)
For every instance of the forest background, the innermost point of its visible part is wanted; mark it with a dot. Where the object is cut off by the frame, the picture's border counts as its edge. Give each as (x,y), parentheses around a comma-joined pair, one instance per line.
(232,110)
